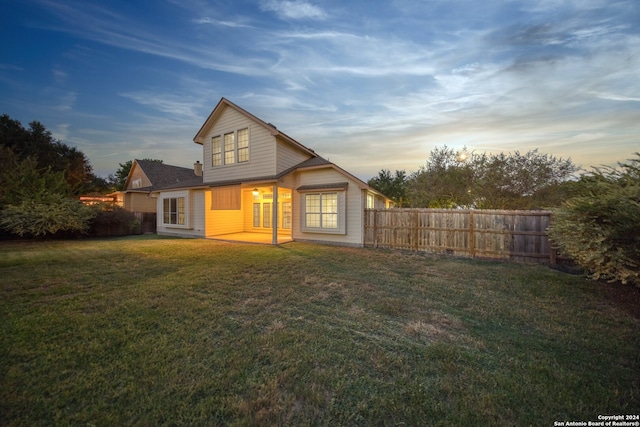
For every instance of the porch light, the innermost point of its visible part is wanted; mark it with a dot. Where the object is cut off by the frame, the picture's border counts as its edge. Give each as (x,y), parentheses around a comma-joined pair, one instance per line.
(255,192)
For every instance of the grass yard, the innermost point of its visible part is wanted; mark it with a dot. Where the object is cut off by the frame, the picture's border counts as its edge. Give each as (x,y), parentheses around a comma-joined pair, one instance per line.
(152,331)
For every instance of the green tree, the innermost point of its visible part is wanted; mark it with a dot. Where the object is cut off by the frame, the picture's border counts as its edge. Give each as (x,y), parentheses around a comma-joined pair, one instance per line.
(49,153)
(392,186)
(599,227)
(456,178)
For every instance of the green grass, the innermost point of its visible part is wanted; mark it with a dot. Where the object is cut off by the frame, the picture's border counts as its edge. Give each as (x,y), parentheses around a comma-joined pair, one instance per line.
(151,331)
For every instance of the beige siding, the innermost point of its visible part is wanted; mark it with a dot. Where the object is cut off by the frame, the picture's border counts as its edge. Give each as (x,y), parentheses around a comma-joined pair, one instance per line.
(353,211)
(224,222)
(137,173)
(289,156)
(139,202)
(262,153)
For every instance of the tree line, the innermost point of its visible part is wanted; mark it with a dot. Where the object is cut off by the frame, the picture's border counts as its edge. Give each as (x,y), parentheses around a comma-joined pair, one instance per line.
(453,179)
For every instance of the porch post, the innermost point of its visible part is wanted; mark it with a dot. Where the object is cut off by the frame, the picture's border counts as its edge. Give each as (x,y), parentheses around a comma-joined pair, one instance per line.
(274,216)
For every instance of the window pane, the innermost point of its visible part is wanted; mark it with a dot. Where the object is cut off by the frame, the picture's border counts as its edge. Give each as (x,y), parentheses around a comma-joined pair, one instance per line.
(229,148)
(330,203)
(312,203)
(312,220)
(286,214)
(256,214)
(181,211)
(266,215)
(243,145)
(216,151)
(166,211)
(329,220)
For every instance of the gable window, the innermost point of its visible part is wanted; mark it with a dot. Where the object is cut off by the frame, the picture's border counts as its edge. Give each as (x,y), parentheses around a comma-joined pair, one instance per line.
(230,148)
(216,150)
(174,211)
(136,183)
(321,211)
(243,145)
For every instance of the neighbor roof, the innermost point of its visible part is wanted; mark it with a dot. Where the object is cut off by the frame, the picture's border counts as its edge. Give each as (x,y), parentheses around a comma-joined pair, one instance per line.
(166,176)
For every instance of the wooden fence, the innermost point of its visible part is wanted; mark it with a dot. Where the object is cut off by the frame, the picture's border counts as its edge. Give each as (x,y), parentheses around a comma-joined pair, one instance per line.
(513,235)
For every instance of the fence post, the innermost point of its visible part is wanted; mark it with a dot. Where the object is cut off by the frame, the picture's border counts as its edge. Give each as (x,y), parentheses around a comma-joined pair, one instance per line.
(472,236)
(417,229)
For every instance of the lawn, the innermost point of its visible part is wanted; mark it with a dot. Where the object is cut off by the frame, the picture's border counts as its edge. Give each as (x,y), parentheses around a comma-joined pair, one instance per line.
(153,331)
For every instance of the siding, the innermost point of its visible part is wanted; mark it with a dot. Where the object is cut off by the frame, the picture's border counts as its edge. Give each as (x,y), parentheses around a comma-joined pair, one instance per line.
(289,156)
(139,202)
(138,174)
(262,152)
(354,210)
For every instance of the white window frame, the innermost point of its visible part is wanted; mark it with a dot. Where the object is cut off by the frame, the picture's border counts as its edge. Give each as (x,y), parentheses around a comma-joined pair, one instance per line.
(186,209)
(340,212)
(231,147)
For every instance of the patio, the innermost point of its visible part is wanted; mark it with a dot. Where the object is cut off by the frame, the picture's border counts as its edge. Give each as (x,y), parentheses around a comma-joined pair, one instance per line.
(246,237)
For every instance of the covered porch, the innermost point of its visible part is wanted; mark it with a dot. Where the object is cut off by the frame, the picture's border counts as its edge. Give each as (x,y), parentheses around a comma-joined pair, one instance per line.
(251,213)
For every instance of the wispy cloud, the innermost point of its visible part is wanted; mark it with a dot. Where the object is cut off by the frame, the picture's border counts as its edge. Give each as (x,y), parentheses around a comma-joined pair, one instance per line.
(294,9)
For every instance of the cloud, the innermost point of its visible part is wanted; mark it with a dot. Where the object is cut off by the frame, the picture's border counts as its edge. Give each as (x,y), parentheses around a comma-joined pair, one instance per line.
(219,23)
(294,9)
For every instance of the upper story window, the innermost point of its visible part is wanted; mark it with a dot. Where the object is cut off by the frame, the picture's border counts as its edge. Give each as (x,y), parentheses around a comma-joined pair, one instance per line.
(230,148)
(136,183)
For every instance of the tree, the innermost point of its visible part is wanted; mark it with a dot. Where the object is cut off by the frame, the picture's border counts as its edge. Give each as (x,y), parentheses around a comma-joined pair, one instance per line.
(599,227)
(49,153)
(394,187)
(39,176)
(459,179)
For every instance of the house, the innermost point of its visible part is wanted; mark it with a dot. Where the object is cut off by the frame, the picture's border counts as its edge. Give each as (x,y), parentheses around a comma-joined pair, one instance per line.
(144,179)
(256,183)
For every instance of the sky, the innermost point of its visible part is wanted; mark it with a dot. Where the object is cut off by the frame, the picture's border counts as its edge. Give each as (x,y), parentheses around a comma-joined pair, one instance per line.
(368,84)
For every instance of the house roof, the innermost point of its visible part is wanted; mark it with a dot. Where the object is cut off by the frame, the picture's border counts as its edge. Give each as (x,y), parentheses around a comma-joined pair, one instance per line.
(165,176)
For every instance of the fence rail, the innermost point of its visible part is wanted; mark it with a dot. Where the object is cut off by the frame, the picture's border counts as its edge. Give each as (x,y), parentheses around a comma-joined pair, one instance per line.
(500,234)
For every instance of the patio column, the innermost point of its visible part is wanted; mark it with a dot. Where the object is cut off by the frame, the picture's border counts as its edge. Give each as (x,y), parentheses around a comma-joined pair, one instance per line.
(274,216)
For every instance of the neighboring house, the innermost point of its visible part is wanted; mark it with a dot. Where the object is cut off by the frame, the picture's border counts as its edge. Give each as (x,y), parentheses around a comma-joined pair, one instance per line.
(144,178)
(257,184)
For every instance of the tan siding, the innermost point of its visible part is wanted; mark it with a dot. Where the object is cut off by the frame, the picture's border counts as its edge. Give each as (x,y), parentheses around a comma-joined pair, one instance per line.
(262,152)
(226,198)
(225,222)
(137,173)
(288,156)
(139,202)
(353,212)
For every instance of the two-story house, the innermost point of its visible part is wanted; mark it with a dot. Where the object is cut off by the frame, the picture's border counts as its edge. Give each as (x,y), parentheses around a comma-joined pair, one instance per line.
(255,183)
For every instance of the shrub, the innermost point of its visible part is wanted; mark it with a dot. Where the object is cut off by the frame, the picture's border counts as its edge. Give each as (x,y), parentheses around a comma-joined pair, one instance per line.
(109,221)
(599,227)
(46,215)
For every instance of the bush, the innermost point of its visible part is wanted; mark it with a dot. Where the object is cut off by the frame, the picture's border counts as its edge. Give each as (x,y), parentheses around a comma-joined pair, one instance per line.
(47,215)
(599,227)
(111,221)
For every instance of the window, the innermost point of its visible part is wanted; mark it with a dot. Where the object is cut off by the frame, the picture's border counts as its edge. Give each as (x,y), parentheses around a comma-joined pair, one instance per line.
(266,215)
(321,211)
(286,214)
(216,149)
(230,148)
(256,215)
(243,145)
(173,212)
(136,183)
(370,201)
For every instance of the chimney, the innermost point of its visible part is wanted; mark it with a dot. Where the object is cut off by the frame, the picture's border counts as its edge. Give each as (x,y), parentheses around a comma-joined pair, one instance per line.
(197,168)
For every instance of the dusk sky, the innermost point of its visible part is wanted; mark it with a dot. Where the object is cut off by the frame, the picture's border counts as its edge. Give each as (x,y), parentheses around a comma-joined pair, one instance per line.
(366,84)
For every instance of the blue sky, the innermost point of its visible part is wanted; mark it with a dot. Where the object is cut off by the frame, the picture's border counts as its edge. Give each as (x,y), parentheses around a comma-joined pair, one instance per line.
(367,84)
